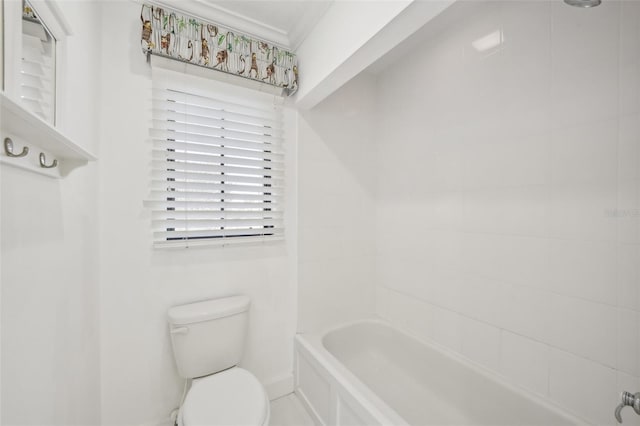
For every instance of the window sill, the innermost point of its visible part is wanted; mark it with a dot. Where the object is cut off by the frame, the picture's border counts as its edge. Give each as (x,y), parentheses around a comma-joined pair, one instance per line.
(220,242)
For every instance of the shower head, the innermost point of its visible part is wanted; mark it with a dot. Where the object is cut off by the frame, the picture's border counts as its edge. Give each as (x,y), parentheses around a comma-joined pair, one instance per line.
(583,3)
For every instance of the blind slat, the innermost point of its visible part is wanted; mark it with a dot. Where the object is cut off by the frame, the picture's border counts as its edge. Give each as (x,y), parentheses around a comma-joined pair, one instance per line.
(215,224)
(215,113)
(255,109)
(194,133)
(32,93)
(185,179)
(161,167)
(28,80)
(225,182)
(32,69)
(183,141)
(213,233)
(213,159)
(164,216)
(213,196)
(214,121)
(227,205)
(37,71)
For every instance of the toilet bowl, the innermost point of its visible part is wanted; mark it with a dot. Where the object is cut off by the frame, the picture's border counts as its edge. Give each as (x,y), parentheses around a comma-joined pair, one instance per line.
(232,397)
(208,340)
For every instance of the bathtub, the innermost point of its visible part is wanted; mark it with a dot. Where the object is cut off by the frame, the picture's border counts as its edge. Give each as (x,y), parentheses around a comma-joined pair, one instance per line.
(369,373)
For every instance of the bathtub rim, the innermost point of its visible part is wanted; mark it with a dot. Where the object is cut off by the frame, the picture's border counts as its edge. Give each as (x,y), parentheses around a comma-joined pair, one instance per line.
(313,342)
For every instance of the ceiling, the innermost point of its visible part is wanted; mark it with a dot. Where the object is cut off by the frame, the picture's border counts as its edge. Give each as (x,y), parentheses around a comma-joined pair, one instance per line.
(284,22)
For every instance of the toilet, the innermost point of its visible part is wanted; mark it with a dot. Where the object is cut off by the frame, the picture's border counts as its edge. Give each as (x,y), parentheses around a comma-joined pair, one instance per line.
(208,341)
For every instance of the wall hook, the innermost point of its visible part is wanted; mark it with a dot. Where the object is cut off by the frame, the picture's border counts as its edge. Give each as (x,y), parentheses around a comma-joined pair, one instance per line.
(43,162)
(8,149)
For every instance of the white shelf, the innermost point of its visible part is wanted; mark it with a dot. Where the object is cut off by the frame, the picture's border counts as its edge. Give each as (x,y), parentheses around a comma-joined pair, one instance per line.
(26,129)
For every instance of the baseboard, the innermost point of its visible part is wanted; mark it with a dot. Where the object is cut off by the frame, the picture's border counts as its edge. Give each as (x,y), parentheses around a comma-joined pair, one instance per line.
(279,387)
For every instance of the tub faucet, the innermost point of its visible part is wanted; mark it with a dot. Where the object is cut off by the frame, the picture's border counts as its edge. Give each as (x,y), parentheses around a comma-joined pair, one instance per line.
(627,398)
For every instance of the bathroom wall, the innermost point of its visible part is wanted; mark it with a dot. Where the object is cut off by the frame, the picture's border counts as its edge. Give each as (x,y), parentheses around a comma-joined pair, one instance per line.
(140,384)
(336,188)
(345,28)
(50,308)
(507,202)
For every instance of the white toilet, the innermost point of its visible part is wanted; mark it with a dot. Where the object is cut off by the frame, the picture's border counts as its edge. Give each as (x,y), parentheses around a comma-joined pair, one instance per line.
(208,339)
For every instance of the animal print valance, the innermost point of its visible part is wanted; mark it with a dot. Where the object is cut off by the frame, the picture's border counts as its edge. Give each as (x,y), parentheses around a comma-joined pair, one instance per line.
(170,34)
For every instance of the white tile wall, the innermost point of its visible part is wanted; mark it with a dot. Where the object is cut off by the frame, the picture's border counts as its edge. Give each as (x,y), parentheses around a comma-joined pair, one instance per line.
(628,354)
(508,186)
(525,361)
(336,208)
(584,328)
(481,342)
(582,386)
(446,328)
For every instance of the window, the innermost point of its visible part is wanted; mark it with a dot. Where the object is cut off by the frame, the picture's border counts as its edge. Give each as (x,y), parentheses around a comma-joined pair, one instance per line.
(37,67)
(218,162)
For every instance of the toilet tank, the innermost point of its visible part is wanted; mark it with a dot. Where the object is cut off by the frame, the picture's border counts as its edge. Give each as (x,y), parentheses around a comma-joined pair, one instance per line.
(208,336)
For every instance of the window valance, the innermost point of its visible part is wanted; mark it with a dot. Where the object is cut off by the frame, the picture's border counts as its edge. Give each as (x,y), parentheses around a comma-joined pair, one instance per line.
(174,35)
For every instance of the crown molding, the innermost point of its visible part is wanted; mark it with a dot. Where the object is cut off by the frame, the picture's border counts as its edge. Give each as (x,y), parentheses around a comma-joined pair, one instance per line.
(208,11)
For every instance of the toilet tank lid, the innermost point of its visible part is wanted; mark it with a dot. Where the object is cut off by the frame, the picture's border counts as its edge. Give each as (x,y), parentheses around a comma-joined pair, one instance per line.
(208,310)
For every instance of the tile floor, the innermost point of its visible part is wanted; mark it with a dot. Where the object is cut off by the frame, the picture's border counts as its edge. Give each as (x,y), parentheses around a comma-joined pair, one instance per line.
(288,411)
(285,411)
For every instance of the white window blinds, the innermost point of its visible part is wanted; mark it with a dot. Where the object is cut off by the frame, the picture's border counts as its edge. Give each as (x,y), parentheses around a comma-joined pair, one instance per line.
(37,69)
(218,162)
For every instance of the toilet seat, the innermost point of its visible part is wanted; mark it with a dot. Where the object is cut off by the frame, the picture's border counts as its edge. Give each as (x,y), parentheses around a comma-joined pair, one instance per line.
(232,397)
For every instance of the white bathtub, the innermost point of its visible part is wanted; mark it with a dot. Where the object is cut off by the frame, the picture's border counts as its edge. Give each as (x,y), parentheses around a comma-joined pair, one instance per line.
(369,373)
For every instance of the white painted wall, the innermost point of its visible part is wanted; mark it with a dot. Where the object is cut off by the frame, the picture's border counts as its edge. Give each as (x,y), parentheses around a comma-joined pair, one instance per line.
(507,217)
(138,284)
(336,203)
(345,27)
(49,274)
(351,36)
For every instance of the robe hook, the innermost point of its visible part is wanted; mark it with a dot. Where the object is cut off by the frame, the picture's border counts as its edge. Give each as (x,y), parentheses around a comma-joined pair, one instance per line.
(43,162)
(8,149)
